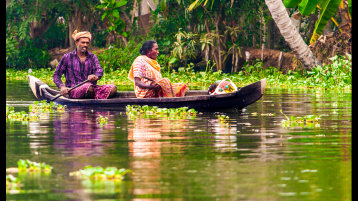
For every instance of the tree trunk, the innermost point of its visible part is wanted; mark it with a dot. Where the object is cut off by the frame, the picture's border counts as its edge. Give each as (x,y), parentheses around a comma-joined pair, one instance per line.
(233,58)
(217,21)
(78,21)
(126,20)
(346,20)
(133,11)
(290,34)
(273,35)
(253,27)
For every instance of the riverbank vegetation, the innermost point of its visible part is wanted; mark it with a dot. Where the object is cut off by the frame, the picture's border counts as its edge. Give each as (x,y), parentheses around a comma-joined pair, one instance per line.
(337,75)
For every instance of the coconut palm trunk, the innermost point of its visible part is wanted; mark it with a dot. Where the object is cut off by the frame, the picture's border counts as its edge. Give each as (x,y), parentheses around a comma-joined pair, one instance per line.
(290,33)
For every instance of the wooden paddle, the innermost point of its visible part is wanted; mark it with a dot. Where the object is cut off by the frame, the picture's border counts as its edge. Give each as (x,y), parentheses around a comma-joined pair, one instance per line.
(56,97)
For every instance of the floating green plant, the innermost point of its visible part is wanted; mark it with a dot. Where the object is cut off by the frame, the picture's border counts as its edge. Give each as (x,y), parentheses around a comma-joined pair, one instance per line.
(30,166)
(134,111)
(35,108)
(11,115)
(305,121)
(265,114)
(61,108)
(43,106)
(99,173)
(12,183)
(223,119)
(9,109)
(102,120)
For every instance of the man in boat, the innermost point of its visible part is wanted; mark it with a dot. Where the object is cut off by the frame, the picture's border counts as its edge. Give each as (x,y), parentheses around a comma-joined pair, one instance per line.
(78,66)
(148,81)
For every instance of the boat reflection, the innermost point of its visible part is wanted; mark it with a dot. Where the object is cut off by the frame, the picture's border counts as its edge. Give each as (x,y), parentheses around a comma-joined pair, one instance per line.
(224,135)
(79,133)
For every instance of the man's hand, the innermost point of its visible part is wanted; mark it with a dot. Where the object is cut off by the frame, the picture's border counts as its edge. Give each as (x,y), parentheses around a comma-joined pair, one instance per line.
(92,78)
(64,90)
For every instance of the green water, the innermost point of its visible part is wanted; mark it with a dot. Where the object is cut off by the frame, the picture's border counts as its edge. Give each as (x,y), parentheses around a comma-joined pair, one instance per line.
(252,157)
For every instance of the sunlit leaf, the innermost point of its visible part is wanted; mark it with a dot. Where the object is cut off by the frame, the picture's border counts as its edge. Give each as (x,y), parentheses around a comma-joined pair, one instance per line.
(306,7)
(291,3)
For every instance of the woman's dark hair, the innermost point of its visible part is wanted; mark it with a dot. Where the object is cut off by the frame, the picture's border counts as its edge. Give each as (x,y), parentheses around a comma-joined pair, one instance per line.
(147,45)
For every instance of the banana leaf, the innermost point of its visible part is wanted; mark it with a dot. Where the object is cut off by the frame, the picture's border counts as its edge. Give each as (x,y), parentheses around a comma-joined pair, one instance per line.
(350,6)
(195,4)
(329,8)
(307,6)
(291,3)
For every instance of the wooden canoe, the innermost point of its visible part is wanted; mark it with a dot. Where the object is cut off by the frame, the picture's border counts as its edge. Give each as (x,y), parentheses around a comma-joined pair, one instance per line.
(198,99)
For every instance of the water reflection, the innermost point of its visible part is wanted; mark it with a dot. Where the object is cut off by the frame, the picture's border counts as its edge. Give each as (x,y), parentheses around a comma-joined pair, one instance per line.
(147,142)
(78,133)
(224,135)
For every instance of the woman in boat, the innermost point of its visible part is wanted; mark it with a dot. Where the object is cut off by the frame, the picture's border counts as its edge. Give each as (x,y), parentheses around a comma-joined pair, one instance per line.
(148,81)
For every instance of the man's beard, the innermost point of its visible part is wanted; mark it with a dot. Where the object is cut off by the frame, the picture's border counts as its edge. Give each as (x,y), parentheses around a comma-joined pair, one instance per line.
(84,50)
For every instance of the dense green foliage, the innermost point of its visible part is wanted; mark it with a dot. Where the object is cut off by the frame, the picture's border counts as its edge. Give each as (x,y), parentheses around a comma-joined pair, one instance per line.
(113,25)
(116,58)
(23,49)
(204,40)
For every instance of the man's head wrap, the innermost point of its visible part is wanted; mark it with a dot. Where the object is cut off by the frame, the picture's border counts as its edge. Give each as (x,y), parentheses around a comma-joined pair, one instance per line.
(83,34)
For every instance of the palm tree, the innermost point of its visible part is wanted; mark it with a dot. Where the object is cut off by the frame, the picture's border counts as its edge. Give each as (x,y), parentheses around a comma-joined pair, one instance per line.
(236,50)
(290,33)
(206,41)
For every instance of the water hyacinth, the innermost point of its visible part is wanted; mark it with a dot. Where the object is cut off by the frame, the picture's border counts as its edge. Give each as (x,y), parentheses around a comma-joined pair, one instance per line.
(34,109)
(13,184)
(102,120)
(11,115)
(100,173)
(265,114)
(134,111)
(43,106)
(223,119)
(30,166)
(305,121)
(61,108)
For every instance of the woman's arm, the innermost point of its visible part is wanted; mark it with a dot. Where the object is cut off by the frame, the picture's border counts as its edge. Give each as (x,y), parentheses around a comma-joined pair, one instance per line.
(140,84)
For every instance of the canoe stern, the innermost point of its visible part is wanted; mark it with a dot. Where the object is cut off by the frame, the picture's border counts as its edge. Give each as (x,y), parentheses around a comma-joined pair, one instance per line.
(36,86)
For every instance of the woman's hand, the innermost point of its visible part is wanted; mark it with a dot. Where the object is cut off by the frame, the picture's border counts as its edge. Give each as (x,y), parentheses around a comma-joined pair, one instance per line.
(155,86)
(152,85)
